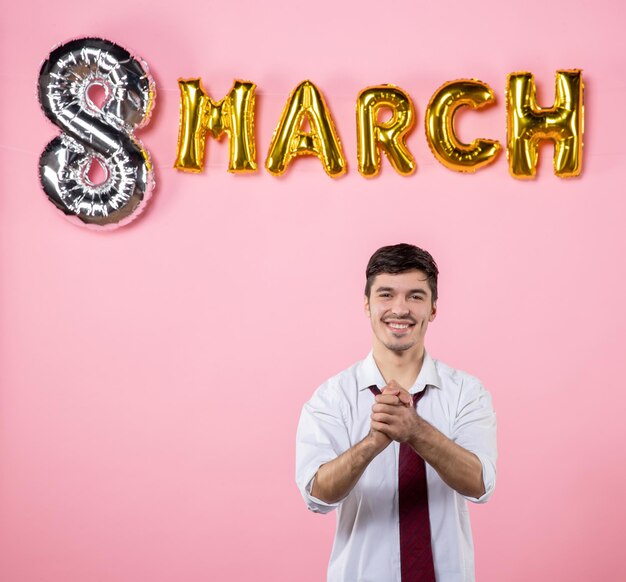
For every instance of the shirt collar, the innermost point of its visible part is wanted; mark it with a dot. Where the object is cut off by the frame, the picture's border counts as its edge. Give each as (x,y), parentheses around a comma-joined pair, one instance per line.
(369,374)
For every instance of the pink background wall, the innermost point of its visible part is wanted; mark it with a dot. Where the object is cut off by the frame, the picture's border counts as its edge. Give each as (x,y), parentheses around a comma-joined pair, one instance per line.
(151,378)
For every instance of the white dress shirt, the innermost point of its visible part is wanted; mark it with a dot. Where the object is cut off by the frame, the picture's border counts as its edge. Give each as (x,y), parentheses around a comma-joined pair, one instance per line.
(367,538)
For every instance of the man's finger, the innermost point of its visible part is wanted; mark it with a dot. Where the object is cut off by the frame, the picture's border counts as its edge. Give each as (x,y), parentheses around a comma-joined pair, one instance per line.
(387,408)
(405,398)
(381,417)
(402,395)
(380,427)
(388,399)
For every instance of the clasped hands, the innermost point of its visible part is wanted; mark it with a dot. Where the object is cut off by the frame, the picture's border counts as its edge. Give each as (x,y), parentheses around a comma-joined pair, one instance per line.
(393,416)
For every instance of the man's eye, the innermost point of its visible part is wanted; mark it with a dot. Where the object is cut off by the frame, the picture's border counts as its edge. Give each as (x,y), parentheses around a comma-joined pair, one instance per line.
(417,297)
(384,294)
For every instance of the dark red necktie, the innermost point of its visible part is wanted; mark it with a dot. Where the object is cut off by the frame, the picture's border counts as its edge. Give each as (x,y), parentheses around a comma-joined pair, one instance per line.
(416,554)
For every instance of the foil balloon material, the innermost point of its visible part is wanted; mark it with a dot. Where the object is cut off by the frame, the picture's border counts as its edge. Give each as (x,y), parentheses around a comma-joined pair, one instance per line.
(390,135)
(96,133)
(528,124)
(289,139)
(440,131)
(232,116)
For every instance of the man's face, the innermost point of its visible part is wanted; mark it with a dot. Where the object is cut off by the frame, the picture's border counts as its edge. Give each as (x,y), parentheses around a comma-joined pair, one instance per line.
(400,307)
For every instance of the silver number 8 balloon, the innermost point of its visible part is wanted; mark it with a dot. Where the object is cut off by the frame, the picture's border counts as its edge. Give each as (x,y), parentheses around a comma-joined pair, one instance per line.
(92,132)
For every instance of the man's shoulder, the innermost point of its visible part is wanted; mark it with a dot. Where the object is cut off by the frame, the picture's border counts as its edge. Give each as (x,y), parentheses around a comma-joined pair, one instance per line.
(347,377)
(344,384)
(456,380)
(462,391)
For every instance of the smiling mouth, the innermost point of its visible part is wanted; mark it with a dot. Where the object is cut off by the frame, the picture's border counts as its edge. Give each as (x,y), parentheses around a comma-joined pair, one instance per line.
(399,326)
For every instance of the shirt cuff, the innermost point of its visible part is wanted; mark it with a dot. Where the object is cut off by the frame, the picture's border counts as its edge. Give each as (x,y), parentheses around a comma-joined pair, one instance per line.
(313,503)
(489,480)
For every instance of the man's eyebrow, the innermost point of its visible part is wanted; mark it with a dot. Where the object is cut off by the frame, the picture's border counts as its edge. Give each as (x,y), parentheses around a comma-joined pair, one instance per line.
(391,289)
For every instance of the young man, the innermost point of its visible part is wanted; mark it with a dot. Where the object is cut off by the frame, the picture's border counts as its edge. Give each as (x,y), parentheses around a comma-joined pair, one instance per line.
(399,441)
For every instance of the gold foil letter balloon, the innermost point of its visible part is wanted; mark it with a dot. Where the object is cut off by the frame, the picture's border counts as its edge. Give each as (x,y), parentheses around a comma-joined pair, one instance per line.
(528,124)
(390,134)
(233,115)
(289,140)
(440,132)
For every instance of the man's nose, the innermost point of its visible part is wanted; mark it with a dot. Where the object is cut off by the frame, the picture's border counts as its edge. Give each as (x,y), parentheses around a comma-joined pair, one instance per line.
(400,306)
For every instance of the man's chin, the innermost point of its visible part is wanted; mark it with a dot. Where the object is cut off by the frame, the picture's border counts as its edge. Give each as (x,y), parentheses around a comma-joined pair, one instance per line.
(400,347)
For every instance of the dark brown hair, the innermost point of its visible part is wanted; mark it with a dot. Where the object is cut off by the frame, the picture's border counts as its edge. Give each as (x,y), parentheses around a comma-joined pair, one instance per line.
(399,258)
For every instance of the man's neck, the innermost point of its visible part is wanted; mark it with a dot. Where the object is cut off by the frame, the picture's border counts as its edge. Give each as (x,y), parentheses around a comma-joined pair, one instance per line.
(403,367)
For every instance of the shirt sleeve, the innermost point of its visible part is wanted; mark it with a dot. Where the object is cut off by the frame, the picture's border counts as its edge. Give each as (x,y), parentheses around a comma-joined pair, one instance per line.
(321,437)
(475,430)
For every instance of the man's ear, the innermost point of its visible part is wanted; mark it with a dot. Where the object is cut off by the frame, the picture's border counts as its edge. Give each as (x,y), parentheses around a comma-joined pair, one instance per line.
(366,306)
(433,313)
